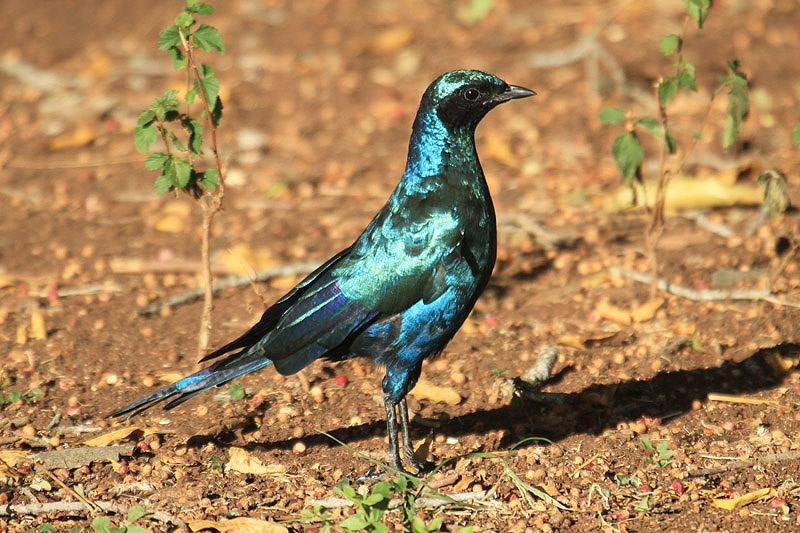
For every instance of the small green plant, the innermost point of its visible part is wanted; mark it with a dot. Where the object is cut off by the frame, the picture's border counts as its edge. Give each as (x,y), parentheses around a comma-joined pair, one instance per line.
(660,455)
(236,391)
(217,463)
(14,396)
(627,149)
(102,524)
(179,163)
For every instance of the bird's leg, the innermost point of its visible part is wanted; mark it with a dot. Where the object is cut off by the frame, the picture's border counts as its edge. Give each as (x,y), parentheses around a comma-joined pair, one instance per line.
(421,467)
(391,428)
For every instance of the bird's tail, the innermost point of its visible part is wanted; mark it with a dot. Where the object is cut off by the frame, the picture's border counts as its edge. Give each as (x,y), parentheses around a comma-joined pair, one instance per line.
(183,389)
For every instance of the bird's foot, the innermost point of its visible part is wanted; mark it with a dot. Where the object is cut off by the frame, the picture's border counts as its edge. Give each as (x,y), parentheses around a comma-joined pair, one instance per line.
(376,472)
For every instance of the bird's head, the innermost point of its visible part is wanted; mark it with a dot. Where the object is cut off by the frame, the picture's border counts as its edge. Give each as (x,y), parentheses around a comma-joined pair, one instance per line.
(461,98)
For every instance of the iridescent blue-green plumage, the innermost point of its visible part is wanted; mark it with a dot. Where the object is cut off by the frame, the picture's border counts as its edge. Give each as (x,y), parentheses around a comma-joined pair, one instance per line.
(400,292)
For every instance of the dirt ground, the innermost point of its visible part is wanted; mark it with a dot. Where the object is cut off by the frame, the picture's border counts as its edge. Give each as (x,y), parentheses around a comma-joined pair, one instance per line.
(319,98)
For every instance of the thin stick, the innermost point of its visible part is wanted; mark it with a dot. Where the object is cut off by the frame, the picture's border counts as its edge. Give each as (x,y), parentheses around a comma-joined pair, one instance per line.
(92,508)
(192,295)
(77,507)
(745,463)
(705,295)
(211,204)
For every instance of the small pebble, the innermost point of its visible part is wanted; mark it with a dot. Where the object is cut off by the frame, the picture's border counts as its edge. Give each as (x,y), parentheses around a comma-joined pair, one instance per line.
(299,448)
(148,381)
(317,394)
(147,469)
(201,410)
(28,430)
(112,379)
(298,432)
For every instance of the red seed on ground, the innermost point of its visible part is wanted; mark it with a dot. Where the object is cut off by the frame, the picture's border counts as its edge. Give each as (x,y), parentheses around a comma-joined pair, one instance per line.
(678,487)
(341,379)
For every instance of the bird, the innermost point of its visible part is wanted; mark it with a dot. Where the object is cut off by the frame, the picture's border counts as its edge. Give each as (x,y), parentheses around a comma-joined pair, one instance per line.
(405,286)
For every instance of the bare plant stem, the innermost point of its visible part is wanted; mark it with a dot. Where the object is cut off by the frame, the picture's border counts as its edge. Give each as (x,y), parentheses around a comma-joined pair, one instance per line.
(210,202)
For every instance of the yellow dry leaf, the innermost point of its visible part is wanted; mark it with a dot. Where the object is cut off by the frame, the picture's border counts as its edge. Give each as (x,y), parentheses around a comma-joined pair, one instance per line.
(496,147)
(391,39)
(169,376)
(423,448)
(243,260)
(38,329)
(80,136)
(243,462)
(428,391)
(781,363)
(112,436)
(683,328)
(171,224)
(686,192)
(8,462)
(613,313)
(5,281)
(22,334)
(241,524)
(647,310)
(741,501)
(571,340)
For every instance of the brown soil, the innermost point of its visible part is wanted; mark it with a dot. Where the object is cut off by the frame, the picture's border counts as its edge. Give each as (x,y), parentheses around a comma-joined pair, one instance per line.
(319,98)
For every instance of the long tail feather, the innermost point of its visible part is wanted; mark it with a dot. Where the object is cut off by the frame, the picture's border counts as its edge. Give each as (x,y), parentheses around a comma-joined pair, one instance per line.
(189,386)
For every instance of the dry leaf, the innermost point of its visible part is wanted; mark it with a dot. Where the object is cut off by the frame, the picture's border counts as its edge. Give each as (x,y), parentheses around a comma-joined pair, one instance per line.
(38,329)
(572,340)
(423,448)
(241,461)
(169,376)
(171,224)
(647,310)
(22,334)
(5,280)
(238,525)
(80,136)
(112,436)
(686,192)
(243,260)
(496,147)
(741,501)
(427,391)
(390,39)
(8,462)
(613,313)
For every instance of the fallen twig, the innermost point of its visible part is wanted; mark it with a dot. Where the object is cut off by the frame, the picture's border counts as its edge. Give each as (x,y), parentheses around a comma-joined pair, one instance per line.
(424,502)
(746,463)
(229,282)
(78,508)
(705,295)
(90,506)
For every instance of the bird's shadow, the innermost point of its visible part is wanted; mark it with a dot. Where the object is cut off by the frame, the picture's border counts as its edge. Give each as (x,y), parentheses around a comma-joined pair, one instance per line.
(594,409)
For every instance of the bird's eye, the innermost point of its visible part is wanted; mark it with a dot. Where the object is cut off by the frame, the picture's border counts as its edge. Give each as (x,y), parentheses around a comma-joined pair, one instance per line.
(472,94)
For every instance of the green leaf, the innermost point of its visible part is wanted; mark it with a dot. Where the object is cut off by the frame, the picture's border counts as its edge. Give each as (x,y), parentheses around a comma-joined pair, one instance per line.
(208,38)
(236,391)
(183,171)
(612,115)
(162,184)
(144,136)
(666,90)
(14,396)
(796,132)
(195,133)
(192,93)
(687,77)
(168,38)
(669,43)
(354,522)
(670,142)
(201,8)
(697,9)
(209,83)
(651,125)
(466,529)
(184,19)
(478,9)
(216,112)
(738,105)
(177,58)
(210,178)
(101,524)
(156,160)
(628,154)
(349,492)
(136,529)
(135,513)
(435,524)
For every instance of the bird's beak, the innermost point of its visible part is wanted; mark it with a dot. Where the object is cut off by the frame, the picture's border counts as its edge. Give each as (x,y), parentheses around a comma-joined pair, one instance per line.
(512,92)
